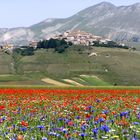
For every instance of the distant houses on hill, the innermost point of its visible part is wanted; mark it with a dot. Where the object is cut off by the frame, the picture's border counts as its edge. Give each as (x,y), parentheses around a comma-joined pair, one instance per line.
(76,37)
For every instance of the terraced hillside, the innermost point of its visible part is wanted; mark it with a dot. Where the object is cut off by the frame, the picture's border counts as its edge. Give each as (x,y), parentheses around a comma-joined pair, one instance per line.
(109,67)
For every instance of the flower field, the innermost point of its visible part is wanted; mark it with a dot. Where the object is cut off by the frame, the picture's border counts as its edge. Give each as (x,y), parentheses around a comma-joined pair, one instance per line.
(69,114)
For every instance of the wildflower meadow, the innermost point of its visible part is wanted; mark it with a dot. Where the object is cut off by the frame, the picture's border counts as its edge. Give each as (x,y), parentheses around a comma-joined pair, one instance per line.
(47,114)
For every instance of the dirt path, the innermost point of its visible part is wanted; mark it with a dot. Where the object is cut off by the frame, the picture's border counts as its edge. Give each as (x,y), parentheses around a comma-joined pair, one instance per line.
(73,82)
(54,82)
(3,75)
(90,76)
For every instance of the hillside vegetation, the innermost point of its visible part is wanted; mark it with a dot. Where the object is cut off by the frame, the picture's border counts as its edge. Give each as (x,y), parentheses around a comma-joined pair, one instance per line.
(5,63)
(109,67)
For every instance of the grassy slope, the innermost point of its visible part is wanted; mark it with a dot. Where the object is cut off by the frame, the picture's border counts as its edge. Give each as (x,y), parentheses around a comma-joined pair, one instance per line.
(94,81)
(134,44)
(5,63)
(123,66)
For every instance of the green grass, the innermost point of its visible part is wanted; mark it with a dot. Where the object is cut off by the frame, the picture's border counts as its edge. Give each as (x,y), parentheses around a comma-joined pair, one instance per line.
(10,78)
(123,66)
(27,79)
(80,81)
(94,81)
(5,63)
(66,88)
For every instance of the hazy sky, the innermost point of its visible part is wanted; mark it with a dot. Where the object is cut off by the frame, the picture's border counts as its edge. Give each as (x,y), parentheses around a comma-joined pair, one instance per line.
(15,13)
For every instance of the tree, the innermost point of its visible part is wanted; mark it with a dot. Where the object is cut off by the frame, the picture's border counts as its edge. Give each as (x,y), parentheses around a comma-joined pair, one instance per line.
(60,49)
(17,51)
(96,43)
(29,51)
(70,43)
(112,44)
(58,45)
(53,43)
(42,44)
(63,42)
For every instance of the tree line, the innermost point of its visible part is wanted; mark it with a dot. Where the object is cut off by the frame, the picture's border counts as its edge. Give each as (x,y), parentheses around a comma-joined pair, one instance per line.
(109,44)
(59,46)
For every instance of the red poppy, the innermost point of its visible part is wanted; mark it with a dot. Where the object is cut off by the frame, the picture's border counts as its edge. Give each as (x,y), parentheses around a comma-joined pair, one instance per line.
(70,123)
(24,123)
(88,115)
(2,107)
(103,116)
(114,112)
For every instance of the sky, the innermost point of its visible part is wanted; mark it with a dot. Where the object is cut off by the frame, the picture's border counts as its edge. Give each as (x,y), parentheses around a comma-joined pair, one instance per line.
(24,13)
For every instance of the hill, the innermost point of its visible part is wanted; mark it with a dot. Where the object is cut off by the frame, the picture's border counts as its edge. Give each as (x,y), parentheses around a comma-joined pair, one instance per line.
(108,67)
(104,19)
(5,63)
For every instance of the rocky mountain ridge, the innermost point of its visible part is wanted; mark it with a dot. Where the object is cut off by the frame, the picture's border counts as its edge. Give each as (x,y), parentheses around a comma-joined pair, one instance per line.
(104,19)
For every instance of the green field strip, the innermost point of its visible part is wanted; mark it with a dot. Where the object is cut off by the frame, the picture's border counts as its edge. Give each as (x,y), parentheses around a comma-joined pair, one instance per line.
(94,81)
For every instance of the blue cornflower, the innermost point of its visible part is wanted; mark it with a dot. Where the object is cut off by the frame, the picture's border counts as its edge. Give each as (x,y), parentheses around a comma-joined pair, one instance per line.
(64,130)
(4,118)
(88,119)
(95,131)
(101,120)
(105,111)
(12,139)
(134,138)
(136,123)
(83,128)
(67,121)
(94,123)
(83,134)
(19,108)
(138,116)
(98,101)
(14,126)
(50,133)
(77,117)
(60,119)
(40,127)
(124,113)
(89,106)
(112,121)
(23,129)
(105,128)
(6,133)
(57,135)
(44,138)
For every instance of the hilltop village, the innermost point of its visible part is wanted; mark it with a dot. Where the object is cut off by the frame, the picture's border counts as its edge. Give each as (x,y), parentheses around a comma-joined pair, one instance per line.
(76,37)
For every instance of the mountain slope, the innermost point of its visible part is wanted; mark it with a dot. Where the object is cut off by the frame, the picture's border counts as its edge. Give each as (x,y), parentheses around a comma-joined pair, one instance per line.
(104,19)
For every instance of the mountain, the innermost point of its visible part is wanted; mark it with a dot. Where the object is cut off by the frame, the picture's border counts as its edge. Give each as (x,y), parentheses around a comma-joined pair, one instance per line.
(104,19)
